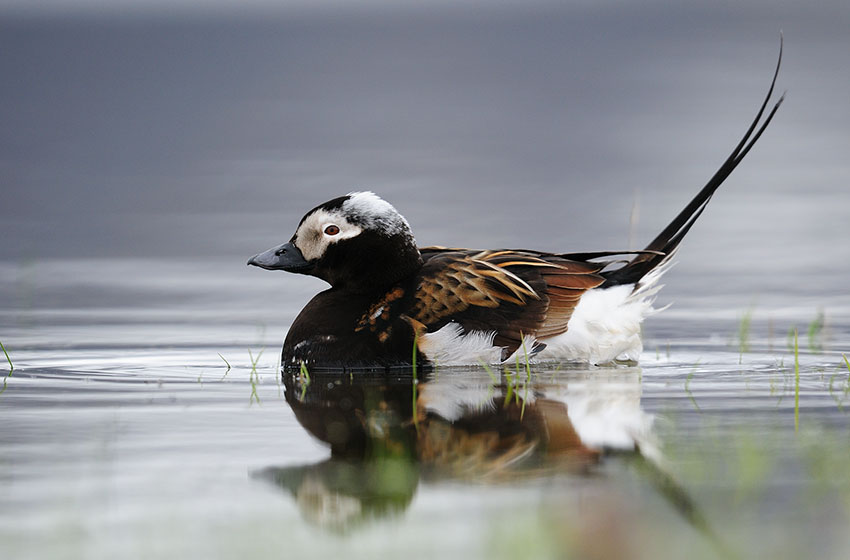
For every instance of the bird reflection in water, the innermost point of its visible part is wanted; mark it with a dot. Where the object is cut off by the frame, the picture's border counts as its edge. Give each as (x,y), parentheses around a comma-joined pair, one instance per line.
(387,432)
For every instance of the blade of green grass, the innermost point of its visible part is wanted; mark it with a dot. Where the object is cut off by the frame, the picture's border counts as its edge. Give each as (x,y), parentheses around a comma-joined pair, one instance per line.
(796,383)
(255,361)
(527,361)
(509,388)
(489,371)
(688,385)
(305,381)
(254,375)
(415,396)
(527,380)
(226,363)
(815,331)
(11,368)
(744,334)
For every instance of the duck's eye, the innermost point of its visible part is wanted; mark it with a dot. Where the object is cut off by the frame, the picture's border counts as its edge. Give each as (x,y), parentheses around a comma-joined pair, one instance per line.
(331,230)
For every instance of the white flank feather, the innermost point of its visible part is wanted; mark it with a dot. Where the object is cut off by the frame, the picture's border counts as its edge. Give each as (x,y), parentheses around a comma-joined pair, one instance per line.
(450,346)
(604,327)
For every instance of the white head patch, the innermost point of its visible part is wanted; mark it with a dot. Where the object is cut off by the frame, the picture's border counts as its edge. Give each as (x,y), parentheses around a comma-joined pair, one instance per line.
(315,234)
(362,210)
(373,212)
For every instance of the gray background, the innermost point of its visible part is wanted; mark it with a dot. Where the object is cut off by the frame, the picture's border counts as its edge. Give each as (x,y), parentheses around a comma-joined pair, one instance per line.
(130,130)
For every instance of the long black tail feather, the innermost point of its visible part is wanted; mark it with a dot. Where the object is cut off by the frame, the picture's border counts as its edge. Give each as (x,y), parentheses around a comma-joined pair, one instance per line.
(666,242)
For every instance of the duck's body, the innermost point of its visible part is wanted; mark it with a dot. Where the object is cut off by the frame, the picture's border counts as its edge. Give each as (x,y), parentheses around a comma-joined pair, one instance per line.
(466,307)
(390,299)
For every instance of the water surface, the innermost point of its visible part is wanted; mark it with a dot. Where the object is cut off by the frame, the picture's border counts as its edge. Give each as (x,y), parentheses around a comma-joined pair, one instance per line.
(126,433)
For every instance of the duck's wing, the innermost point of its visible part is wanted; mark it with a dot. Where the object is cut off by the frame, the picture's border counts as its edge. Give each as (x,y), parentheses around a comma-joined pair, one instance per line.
(512,293)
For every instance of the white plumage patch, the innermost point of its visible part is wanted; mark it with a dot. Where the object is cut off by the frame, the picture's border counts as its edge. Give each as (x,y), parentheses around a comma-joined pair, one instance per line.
(373,212)
(604,327)
(450,346)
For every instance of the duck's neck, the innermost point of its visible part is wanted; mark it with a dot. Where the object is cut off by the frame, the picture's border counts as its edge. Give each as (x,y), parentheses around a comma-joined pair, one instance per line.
(373,268)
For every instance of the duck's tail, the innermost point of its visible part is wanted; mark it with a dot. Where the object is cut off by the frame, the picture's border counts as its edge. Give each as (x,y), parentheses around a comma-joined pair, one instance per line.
(659,251)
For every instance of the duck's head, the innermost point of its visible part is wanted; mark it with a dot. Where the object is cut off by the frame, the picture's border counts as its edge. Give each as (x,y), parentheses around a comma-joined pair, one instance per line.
(358,242)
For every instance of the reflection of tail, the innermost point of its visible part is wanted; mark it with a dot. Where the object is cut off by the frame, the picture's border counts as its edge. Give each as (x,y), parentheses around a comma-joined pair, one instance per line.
(678,497)
(663,246)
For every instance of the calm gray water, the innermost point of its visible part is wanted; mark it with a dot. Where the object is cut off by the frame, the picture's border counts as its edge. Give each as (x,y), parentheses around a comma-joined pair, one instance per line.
(144,156)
